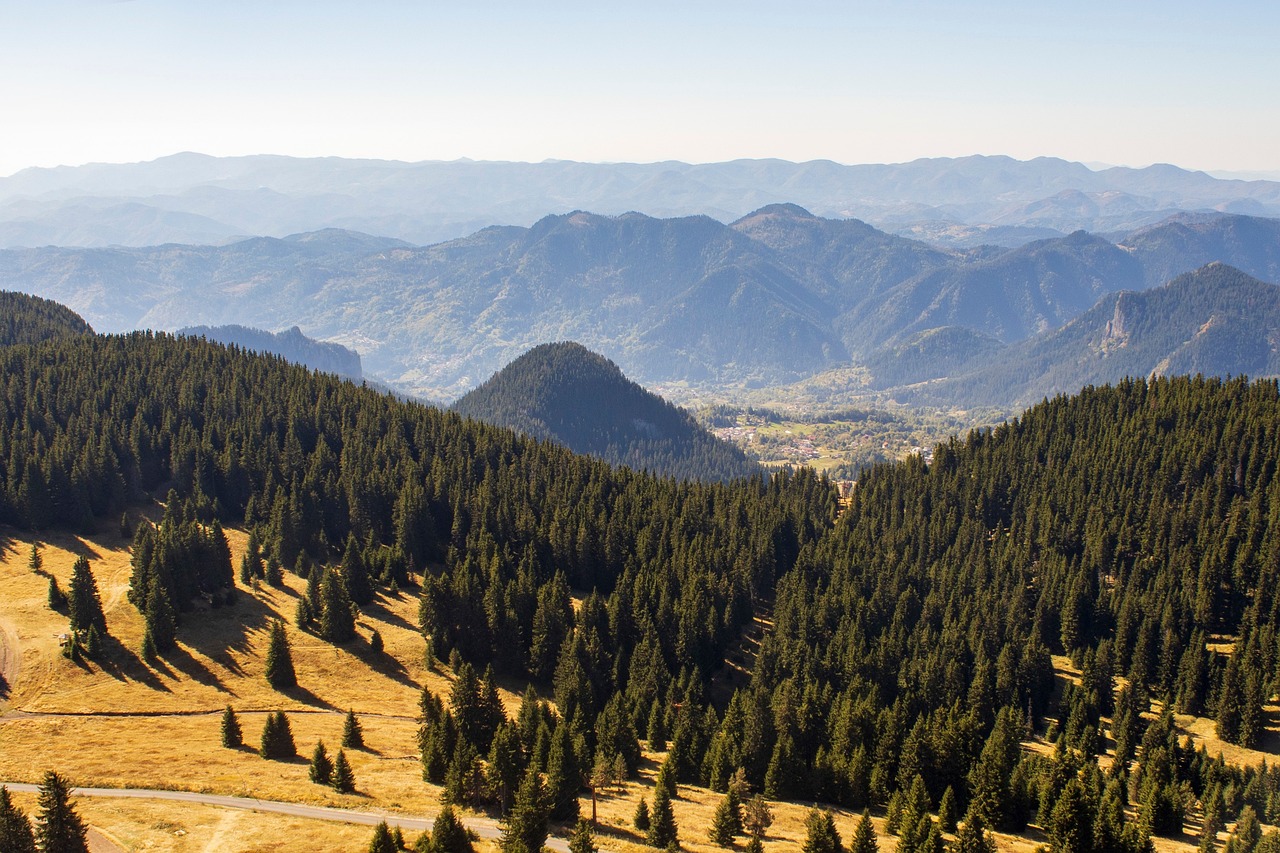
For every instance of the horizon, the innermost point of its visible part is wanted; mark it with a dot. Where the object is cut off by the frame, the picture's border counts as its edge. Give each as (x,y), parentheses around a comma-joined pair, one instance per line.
(873,82)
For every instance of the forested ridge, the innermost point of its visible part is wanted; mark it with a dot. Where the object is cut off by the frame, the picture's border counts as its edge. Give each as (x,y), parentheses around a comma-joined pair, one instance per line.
(1135,528)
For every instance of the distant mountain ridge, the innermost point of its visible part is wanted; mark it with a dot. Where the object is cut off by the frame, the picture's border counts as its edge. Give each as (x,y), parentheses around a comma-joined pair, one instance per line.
(192,198)
(566,393)
(778,296)
(290,344)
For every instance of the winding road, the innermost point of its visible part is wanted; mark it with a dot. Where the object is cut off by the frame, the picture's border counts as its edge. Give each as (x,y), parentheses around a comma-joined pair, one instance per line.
(482,827)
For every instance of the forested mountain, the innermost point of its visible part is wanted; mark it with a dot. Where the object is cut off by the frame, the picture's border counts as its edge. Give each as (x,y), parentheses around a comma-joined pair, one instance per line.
(1216,321)
(28,319)
(778,297)
(191,197)
(1135,528)
(290,344)
(566,393)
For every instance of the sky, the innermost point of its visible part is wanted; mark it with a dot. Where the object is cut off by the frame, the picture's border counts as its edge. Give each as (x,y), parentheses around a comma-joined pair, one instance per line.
(1126,82)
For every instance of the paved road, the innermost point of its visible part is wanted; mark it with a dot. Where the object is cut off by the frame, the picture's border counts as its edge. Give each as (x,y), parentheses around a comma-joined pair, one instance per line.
(481,826)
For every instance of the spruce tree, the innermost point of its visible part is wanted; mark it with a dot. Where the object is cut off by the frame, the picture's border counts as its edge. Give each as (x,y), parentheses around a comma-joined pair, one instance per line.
(279,671)
(663,831)
(641,820)
(57,598)
(583,839)
(321,770)
(337,624)
(864,837)
(277,738)
(161,622)
(232,736)
(757,817)
(359,586)
(382,841)
(15,829)
(973,836)
(352,733)
(563,777)
(344,780)
(525,830)
(58,828)
(85,606)
(448,835)
(820,833)
(727,821)
(947,816)
(35,562)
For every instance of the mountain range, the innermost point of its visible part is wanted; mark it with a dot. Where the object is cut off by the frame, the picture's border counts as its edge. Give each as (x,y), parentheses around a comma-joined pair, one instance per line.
(290,345)
(194,198)
(775,297)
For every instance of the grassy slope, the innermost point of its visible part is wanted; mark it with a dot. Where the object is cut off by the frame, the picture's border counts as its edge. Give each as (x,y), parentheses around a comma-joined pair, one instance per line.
(160,728)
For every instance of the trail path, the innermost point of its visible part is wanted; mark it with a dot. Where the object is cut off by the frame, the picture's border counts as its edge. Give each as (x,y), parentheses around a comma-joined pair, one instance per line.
(482,827)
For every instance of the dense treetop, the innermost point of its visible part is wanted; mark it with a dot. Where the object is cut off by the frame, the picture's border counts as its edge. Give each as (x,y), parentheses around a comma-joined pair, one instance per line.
(29,319)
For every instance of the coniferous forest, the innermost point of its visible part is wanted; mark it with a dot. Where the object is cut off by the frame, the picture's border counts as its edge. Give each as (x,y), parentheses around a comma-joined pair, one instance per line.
(1135,529)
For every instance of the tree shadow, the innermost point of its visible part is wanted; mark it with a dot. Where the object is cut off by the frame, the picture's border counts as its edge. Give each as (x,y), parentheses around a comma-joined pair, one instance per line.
(4,688)
(381,662)
(378,610)
(188,665)
(217,631)
(304,696)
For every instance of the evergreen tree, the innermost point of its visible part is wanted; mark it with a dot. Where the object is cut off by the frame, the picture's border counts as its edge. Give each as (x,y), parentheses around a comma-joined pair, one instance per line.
(352,732)
(757,817)
(85,606)
(232,736)
(279,670)
(58,828)
(583,839)
(277,738)
(448,835)
(973,836)
(337,624)
(302,614)
(382,841)
(820,833)
(35,562)
(525,830)
(161,623)
(726,823)
(344,780)
(864,837)
(15,829)
(354,569)
(947,816)
(57,598)
(641,820)
(663,831)
(321,770)
(506,762)
(563,777)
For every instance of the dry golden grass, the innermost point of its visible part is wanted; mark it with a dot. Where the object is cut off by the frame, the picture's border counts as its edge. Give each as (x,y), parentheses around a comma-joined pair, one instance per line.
(129,724)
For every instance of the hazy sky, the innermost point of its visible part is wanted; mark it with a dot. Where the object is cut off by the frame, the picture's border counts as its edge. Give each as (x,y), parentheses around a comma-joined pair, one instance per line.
(1123,81)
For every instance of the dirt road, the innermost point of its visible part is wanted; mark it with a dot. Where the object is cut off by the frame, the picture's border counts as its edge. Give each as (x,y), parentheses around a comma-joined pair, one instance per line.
(482,827)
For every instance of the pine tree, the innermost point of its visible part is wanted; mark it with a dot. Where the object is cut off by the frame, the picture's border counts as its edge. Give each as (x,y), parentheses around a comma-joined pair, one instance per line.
(352,733)
(161,622)
(641,819)
(302,614)
(973,836)
(58,828)
(279,671)
(15,829)
(344,780)
(448,835)
(726,823)
(232,736)
(356,572)
(35,562)
(57,598)
(757,816)
(337,624)
(321,770)
(583,839)
(864,837)
(563,776)
(382,842)
(525,830)
(820,833)
(277,738)
(947,816)
(83,600)
(663,831)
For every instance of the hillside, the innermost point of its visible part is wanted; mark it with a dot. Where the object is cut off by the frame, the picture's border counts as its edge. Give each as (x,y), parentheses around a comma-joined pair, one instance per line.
(566,393)
(28,319)
(1101,561)
(290,344)
(1216,321)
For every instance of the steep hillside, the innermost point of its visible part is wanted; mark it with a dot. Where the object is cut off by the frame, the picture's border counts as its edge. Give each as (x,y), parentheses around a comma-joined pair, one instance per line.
(1189,241)
(566,393)
(1216,321)
(290,344)
(26,319)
